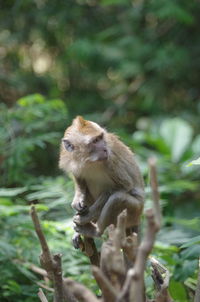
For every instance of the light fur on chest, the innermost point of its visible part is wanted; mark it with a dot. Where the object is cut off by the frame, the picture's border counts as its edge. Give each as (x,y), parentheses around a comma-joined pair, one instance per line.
(97,179)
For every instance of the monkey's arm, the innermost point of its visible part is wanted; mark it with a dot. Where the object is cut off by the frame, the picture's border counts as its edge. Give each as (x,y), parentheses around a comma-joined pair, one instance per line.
(79,202)
(116,203)
(94,210)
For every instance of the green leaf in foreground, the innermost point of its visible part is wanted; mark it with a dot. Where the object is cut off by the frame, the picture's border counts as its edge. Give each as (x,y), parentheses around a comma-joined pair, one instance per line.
(194,162)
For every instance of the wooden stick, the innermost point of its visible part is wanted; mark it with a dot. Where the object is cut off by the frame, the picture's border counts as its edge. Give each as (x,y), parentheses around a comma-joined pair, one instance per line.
(108,291)
(52,264)
(42,296)
(80,292)
(154,189)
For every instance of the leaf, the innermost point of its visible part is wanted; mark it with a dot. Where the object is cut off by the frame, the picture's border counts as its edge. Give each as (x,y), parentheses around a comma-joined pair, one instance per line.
(11,191)
(195,240)
(31,99)
(177,291)
(192,252)
(194,162)
(177,134)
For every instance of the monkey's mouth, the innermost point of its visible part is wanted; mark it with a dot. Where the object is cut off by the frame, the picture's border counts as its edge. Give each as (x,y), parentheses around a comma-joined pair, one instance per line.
(103,155)
(100,157)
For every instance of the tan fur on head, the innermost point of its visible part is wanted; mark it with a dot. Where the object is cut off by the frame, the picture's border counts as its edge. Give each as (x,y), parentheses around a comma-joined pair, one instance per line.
(79,122)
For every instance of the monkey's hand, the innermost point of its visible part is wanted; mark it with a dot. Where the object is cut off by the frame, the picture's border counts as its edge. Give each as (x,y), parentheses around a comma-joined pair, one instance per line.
(80,206)
(93,212)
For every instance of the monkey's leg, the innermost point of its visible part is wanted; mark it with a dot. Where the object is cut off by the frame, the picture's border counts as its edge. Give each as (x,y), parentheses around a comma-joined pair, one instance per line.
(93,212)
(115,205)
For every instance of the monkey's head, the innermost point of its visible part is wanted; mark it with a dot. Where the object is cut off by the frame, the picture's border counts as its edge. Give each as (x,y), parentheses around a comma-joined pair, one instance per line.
(83,143)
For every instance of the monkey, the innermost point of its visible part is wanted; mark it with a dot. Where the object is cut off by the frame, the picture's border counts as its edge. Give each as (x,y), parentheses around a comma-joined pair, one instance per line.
(106,176)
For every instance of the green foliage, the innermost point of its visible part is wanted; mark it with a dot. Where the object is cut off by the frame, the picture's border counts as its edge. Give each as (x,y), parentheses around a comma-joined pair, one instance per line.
(142,59)
(178,241)
(28,131)
(195,162)
(19,248)
(133,66)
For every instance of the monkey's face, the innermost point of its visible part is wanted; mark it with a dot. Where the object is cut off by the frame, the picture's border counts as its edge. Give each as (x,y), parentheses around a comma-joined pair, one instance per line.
(97,148)
(87,149)
(84,142)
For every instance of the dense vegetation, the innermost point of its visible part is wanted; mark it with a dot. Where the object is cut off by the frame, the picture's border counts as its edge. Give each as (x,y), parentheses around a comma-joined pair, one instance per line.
(132,66)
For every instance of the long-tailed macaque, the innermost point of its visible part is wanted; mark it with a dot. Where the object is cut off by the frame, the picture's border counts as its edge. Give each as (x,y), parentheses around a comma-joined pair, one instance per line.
(106,175)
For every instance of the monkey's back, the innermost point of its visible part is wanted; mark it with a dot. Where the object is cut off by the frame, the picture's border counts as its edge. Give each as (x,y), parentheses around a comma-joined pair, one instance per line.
(122,165)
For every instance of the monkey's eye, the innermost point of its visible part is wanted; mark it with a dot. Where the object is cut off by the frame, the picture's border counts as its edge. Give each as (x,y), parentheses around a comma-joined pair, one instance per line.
(97,139)
(68,145)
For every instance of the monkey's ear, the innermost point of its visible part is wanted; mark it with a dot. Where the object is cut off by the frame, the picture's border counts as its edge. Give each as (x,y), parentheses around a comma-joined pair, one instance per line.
(68,145)
(79,121)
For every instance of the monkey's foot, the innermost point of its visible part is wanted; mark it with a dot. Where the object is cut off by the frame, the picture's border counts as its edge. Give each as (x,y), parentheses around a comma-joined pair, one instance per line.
(81,219)
(88,230)
(77,241)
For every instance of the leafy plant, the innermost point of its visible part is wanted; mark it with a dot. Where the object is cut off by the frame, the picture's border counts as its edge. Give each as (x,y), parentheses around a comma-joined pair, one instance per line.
(27,133)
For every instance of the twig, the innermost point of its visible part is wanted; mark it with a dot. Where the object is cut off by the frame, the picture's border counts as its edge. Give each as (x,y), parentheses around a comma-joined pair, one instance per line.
(52,264)
(137,286)
(45,287)
(38,270)
(38,229)
(112,260)
(108,291)
(137,289)
(129,243)
(91,251)
(154,189)
(126,286)
(81,292)
(42,296)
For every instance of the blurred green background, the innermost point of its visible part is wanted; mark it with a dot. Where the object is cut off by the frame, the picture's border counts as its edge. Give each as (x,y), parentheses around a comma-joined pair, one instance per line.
(133,67)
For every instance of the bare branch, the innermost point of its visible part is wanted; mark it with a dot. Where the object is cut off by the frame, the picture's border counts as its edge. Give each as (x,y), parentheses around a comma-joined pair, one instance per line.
(42,296)
(40,234)
(58,280)
(108,291)
(126,287)
(52,264)
(50,289)
(91,251)
(137,285)
(82,293)
(112,259)
(155,191)
(37,270)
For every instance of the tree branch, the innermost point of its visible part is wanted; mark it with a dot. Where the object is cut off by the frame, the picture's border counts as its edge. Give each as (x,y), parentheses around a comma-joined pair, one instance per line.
(42,296)
(79,291)
(108,291)
(52,264)
(155,191)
